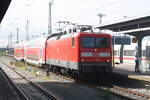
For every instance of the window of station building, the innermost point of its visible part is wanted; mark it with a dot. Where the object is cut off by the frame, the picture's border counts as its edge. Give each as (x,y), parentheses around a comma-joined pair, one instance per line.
(144,53)
(73,42)
(116,53)
(129,52)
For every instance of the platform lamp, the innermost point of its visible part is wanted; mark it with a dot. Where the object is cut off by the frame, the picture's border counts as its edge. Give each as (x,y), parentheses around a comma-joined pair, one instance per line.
(100,15)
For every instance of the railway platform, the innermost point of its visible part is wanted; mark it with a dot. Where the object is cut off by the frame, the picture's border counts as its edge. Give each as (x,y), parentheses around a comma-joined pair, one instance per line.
(7,90)
(128,70)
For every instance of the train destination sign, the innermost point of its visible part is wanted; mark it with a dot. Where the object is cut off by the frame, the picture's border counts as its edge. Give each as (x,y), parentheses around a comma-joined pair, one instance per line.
(118,40)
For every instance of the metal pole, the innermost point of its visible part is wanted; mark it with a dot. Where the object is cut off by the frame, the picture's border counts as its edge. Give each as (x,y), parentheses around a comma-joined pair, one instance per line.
(27,30)
(141,68)
(59,26)
(50,18)
(10,40)
(113,47)
(17,34)
(100,18)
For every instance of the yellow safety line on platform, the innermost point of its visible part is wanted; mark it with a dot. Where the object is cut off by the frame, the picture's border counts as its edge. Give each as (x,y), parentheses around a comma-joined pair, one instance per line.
(144,78)
(62,85)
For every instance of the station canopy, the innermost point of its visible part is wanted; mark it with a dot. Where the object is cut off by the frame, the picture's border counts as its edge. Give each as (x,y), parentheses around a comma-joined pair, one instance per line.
(136,27)
(4,4)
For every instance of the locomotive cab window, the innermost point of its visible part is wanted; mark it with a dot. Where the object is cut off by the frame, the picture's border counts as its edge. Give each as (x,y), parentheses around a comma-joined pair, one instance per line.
(94,42)
(73,42)
(102,42)
(88,42)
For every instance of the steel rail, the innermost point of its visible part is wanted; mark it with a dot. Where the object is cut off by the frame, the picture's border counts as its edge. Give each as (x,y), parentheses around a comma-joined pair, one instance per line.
(49,94)
(115,89)
(80,82)
(18,90)
(134,93)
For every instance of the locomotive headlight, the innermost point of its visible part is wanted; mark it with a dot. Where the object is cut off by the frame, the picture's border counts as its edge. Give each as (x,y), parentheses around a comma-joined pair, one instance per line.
(108,60)
(82,60)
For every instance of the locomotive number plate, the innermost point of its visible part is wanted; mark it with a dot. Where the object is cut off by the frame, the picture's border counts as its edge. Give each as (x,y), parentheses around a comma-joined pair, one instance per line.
(104,54)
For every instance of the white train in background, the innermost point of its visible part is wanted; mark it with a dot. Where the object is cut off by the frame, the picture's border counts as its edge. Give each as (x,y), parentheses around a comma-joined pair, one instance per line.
(129,54)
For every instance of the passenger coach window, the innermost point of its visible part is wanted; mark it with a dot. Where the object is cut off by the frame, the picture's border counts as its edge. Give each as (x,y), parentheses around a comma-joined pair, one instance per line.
(73,42)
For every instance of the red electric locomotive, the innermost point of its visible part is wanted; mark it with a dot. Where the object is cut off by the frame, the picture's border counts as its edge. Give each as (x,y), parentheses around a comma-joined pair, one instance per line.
(79,51)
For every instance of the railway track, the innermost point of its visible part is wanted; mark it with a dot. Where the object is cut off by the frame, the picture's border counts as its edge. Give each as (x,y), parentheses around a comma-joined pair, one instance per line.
(50,95)
(120,91)
(117,90)
(77,81)
(133,94)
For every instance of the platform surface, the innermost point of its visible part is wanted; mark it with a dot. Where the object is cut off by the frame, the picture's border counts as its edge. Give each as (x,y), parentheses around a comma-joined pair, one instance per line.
(129,71)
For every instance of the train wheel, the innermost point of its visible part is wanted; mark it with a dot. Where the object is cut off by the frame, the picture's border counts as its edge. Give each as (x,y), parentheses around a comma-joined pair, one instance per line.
(41,66)
(50,67)
(103,77)
(74,73)
(64,70)
(82,76)
(108,77)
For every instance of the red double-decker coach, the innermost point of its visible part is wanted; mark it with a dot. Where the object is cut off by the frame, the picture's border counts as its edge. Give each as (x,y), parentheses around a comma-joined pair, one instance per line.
(35,51)
(19,51)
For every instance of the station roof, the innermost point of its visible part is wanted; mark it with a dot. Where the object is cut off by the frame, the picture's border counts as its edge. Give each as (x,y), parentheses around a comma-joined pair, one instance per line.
(4,4)
(130,26)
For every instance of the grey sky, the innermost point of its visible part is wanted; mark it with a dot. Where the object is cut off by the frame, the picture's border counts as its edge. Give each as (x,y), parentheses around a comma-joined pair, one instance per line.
(78,11)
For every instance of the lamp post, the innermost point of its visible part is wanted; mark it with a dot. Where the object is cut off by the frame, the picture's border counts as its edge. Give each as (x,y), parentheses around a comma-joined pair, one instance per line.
(10,40)
(17,34)
(100,15)
(27,30)
(50,17)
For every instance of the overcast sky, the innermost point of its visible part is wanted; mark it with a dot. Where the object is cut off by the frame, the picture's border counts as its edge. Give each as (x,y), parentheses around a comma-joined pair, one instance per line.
(77,11)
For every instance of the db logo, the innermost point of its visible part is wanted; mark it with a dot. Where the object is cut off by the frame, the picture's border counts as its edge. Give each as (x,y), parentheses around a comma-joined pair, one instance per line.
(95,54)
